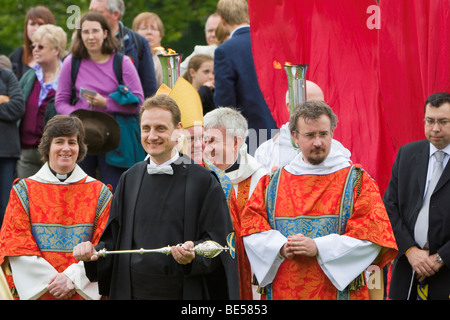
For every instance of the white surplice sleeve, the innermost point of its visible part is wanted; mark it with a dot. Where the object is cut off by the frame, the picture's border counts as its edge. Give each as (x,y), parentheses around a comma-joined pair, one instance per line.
(32,274)
(263,251)
(88,290)
(343,258)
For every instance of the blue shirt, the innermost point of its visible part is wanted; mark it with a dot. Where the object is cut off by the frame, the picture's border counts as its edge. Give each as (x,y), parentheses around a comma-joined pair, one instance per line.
(45,87)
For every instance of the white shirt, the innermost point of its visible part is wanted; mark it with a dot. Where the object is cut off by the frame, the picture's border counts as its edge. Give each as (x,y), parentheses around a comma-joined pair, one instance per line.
(168,162)
(432,163)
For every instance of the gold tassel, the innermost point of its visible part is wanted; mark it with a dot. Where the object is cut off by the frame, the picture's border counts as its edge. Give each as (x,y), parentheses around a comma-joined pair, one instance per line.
(357,283)
(260,290)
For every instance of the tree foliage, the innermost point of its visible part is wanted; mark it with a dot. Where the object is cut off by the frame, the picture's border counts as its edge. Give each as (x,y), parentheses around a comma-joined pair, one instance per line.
(183,20)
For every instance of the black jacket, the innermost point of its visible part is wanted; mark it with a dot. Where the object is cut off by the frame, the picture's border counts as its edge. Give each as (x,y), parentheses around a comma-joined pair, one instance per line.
(19,68)
(206,217)
(10,113)
(403,200)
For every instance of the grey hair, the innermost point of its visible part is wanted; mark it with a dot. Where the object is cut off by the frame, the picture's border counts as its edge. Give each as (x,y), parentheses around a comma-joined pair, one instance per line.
(114,6)
(312,110)
(229,119)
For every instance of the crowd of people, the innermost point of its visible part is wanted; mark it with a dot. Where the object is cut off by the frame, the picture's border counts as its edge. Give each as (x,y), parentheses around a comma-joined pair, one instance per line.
(101,157)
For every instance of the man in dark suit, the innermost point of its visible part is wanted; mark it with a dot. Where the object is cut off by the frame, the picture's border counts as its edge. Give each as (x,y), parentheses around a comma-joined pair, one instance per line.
(236,83)
(423,236)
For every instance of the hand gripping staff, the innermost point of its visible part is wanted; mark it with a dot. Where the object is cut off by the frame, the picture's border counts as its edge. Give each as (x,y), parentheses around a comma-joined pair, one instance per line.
(207,249)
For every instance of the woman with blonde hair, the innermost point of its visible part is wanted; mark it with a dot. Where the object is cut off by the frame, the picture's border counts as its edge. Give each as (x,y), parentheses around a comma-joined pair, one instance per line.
(150,26)
(22,57)
(39,86)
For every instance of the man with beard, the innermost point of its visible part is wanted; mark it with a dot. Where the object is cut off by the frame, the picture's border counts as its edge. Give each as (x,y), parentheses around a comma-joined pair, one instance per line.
(312,228)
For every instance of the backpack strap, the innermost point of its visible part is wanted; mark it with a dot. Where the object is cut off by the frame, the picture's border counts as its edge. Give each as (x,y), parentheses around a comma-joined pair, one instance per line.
(76,62)
(73,76)
(117,64)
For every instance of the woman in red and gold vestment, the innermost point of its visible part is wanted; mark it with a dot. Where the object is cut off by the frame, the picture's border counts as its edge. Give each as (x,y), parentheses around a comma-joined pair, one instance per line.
(48,214)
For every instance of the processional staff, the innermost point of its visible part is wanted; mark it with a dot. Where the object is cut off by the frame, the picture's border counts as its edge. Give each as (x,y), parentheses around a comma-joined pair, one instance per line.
(207,249)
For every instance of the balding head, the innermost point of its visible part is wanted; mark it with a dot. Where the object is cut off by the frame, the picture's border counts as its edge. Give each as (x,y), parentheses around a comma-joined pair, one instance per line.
(313,92)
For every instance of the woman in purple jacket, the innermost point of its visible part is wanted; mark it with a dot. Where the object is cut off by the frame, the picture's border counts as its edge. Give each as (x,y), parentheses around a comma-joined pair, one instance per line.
(96,47)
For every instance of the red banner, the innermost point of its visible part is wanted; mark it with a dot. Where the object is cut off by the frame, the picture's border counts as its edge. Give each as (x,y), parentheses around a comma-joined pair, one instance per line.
(352,48)
(414,62)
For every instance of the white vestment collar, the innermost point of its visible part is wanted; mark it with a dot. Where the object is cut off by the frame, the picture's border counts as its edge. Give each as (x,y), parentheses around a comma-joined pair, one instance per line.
(44,175)
(247,166)
(338,159)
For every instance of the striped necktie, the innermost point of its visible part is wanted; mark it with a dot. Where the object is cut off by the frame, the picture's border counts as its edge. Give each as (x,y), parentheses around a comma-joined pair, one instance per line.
(422,291)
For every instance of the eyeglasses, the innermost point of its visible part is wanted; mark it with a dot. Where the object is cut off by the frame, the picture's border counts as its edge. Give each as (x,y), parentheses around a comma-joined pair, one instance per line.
(93,31)
(150,28)
(313,135)
(430,122)
(37,46)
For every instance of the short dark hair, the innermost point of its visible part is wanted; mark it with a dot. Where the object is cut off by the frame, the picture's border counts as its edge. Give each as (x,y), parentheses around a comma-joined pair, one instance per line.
(110,44)
(312,110)
(62,126)
(437,99)
(165,102)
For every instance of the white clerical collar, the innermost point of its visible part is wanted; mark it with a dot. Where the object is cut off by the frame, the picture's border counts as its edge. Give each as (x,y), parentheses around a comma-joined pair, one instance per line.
(338,159)
(247,166)
(168,162)
(45,175)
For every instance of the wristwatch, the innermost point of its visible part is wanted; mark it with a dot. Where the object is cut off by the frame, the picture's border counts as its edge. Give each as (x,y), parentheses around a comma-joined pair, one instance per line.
(439,259)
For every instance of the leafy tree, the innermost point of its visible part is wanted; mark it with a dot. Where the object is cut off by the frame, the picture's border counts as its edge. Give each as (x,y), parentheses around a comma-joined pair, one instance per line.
(183,20)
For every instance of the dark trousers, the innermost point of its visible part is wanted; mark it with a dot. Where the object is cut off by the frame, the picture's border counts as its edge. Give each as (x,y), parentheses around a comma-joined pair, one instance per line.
(7,175)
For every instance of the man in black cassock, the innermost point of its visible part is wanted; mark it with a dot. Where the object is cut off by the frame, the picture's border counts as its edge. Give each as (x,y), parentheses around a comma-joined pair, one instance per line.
(165,200)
